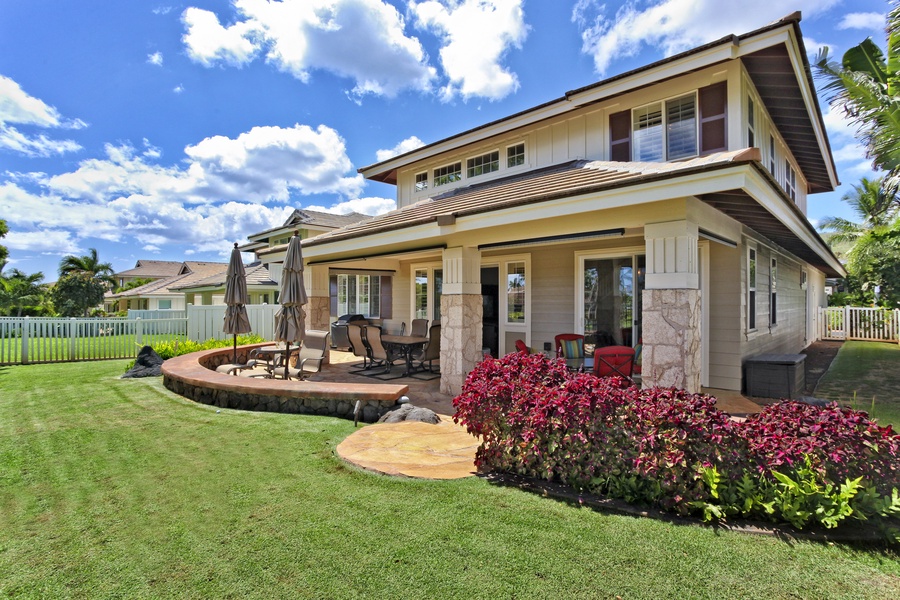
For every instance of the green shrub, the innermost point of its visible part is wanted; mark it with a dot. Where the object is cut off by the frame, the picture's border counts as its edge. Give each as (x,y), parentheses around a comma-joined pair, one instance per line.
(167,350)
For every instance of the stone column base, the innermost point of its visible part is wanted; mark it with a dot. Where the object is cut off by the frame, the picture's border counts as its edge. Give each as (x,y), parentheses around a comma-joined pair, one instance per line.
(671,355)
(461,318)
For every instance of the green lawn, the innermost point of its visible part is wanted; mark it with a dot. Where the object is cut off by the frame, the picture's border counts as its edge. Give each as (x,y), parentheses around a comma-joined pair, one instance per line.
(119,488)
(861,372)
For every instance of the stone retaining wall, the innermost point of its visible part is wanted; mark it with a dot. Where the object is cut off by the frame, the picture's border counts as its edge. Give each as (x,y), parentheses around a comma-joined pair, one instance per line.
(194,377)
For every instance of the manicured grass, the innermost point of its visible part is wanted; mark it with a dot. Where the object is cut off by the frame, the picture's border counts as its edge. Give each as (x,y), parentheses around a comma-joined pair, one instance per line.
(46,349)
(861,372)
(119,488)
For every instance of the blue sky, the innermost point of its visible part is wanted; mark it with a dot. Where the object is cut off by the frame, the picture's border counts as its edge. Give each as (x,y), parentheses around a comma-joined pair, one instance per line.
(167,131)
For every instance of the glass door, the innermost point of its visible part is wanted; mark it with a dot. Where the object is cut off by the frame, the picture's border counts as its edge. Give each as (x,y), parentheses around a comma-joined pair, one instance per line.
(610,300)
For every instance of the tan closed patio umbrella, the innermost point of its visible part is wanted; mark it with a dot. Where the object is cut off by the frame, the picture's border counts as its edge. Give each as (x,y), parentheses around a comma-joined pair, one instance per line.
(236,320)
(290,321)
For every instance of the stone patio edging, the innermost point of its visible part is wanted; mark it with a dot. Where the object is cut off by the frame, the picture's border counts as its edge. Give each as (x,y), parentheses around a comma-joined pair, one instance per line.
(194,377)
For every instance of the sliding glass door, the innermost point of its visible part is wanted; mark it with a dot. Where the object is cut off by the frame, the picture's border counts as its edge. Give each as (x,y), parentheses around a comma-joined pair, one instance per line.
(609,301)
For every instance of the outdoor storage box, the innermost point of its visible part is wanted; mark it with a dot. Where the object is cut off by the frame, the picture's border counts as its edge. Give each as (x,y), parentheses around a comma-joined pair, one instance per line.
(776,375)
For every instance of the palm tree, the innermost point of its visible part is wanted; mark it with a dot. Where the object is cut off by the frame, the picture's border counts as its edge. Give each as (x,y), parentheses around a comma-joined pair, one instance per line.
(866,86)
(19,290)
(875,204)
(90,265)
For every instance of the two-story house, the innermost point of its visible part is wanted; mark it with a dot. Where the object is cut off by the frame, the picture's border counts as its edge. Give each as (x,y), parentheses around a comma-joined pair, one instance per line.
(664,206)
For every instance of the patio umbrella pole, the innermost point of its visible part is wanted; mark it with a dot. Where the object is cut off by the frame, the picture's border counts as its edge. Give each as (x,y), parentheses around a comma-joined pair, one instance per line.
(287,364)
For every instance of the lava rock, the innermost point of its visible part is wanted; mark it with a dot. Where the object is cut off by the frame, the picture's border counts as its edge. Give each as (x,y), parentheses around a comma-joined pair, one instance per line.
(148,364)
(408,412)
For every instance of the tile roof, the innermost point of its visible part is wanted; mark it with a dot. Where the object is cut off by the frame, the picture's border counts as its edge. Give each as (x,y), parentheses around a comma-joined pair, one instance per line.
(256,273)
(541,185)
(191,271)
(152,268)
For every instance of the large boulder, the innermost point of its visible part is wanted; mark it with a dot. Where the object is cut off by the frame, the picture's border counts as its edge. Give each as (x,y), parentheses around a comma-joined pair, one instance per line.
(408,412)
(148,364)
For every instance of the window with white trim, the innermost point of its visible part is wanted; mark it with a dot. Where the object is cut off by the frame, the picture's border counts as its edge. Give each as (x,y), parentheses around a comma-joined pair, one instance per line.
(428,283)
(751,123)
(421,181)
(772,154)
(773,292)
(447,174)
(359,294)
(751,288)
(165,304)
(790,180)
(515,292)
(670,134)
(515,155)
(480,165)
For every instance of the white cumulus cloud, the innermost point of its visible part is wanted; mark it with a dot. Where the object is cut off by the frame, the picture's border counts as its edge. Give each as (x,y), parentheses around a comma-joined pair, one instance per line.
(155,59)
(365,206)
(19,108)
(673,26)
(362,40)
(476,34)
(408,145)
(869,20)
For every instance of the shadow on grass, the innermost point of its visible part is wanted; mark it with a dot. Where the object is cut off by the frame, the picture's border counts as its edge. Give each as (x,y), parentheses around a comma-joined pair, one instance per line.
(862,536)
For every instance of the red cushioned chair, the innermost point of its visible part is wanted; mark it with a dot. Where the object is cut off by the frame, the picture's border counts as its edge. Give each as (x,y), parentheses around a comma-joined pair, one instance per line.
(614,360)
(575,343)
(522,347)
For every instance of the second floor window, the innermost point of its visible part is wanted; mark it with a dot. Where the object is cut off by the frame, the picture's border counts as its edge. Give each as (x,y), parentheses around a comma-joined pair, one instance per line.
(665,131)
(421,181)
(751,123)
(790,180)
(772,155)
(486,163)
(448,174)
(515,155)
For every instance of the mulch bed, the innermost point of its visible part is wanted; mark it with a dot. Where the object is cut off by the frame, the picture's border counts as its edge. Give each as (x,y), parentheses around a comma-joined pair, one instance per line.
(819,356)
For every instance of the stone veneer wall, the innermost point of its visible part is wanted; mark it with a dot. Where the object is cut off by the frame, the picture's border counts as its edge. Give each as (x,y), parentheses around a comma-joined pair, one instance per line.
(461,316)
(671,339)
(194,377)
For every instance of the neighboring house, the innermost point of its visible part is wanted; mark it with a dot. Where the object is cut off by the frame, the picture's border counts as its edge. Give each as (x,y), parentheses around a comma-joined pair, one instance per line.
(143,269)
(358,291)
(261,288)
(664,206)
(162,293)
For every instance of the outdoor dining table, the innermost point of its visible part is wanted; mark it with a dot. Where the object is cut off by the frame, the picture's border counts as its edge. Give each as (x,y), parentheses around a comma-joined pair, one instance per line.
(406,344)
(268,354)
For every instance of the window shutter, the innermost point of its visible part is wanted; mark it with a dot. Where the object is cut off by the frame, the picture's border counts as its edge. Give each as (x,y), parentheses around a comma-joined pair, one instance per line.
(387,303)
(713,124)
(620,136)
(333,292)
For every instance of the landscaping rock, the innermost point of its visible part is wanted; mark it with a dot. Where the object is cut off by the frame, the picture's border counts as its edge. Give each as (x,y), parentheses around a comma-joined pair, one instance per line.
(148,364)
(408,412)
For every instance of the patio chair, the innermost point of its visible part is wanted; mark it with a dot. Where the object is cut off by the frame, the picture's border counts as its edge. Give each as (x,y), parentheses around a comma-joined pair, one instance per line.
(432,351)
(378,354)
(309,359)
(614,360)
(356,335)
(569,345)
(253,360)
(522,347)
(393,327)
(419,328)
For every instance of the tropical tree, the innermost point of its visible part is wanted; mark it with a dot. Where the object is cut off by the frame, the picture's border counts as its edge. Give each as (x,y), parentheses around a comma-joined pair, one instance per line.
(3,251)
(870,247)
(866,86)
(19,291)
(76,293)
(90,265)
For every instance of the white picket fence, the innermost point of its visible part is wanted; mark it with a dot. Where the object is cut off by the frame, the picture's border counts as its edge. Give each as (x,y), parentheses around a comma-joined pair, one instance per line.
(25,340)
(859,323)
(205,322)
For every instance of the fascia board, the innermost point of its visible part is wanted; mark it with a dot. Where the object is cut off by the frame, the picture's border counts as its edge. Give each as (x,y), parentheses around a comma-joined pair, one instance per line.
(760,189)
